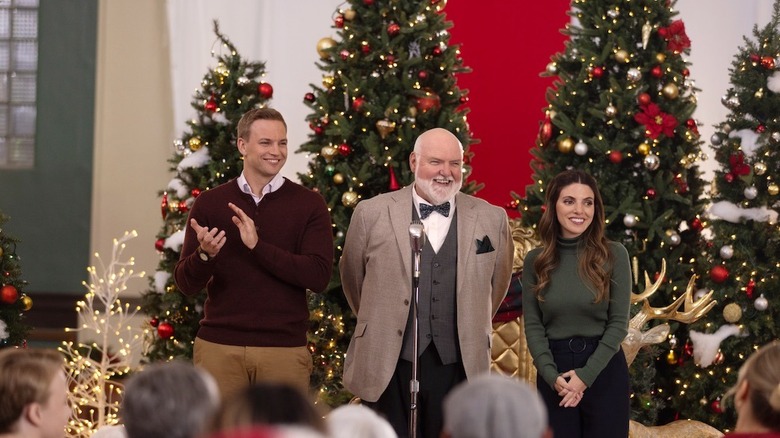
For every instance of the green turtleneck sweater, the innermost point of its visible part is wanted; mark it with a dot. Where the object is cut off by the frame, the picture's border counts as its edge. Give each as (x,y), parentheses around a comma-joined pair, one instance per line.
(568,311)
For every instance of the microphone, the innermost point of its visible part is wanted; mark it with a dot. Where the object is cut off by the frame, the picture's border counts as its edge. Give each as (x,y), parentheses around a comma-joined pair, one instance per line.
(417,236)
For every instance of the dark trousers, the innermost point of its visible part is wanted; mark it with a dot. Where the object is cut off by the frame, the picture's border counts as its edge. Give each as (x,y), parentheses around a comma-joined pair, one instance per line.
(436,380)
(604,409)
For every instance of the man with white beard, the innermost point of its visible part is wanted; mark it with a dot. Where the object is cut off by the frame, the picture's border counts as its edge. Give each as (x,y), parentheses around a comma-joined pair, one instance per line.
(465,268)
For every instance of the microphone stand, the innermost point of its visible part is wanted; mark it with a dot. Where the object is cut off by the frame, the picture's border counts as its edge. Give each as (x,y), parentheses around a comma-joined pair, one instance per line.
(417,235)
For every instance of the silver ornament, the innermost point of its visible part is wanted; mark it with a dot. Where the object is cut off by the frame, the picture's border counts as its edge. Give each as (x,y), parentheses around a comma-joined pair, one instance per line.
(776,136)
(651,162)
(610,111)
(675,239)
(552,68)
(580,148)
(634,75)
(761,303)
(726,252)
(750,192)
(629,220)
(732,102)
(613,13)
(716,139)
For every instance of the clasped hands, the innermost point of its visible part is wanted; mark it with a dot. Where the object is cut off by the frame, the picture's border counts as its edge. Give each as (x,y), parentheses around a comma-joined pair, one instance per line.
(570,388)
(212,240)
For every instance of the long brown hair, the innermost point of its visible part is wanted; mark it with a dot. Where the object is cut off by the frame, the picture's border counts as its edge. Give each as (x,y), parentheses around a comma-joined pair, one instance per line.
(595,258)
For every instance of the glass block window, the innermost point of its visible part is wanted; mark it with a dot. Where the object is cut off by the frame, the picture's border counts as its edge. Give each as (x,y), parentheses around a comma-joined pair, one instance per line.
(18,71)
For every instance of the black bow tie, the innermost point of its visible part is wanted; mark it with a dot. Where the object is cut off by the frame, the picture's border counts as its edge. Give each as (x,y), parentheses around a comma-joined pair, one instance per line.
(426,210)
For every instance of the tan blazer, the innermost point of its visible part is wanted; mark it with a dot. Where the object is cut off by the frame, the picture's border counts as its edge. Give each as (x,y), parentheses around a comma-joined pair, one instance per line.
(376,274)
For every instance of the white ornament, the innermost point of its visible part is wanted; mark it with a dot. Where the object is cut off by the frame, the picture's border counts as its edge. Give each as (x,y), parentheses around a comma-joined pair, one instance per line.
(750,192)
(761,303)
(629,220)
(773,82)
(580,148)
(726,251)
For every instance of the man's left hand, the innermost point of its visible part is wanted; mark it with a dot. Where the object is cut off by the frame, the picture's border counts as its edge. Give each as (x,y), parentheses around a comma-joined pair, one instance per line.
(246,226)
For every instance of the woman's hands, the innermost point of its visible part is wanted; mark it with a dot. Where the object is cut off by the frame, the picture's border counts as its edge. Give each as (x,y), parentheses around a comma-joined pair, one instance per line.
(570,388)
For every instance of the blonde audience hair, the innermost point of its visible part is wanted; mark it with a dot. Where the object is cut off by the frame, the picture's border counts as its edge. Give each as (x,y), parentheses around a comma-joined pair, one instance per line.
(25,378)
(762,373)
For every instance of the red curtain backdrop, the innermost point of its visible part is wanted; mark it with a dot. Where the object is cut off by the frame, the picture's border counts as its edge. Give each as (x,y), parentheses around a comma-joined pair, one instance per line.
(507,44)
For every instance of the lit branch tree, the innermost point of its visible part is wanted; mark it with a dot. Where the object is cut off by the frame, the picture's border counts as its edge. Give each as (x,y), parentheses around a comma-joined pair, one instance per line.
(13,300)
(92,366)
(205,156)
(621,109)
(742,257)
(387,77)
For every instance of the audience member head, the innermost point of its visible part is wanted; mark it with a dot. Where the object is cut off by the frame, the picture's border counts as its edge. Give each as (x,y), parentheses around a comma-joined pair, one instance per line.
(757,391)
(493,406)
(169,400)
(437,163)
(33,394)
(357,421)
(267,431)
(267,403)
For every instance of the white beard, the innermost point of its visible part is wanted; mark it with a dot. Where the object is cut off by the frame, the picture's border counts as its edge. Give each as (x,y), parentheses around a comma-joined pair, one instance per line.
(437,193)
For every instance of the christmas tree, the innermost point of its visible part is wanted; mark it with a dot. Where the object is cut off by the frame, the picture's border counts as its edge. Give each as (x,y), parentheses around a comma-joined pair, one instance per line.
(205,157)
(388,76)
(620,108)
(742,256)
(13,300)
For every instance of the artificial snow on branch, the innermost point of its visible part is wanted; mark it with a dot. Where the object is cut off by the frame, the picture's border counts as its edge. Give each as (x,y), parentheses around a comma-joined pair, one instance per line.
(90,367)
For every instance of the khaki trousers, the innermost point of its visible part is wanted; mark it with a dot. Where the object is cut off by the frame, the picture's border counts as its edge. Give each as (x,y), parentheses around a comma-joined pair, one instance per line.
(235,367)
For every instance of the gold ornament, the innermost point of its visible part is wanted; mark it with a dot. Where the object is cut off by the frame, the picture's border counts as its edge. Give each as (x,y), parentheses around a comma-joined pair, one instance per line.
(385,127)
(671,357)
(328,81)
(643,149)
(1,251)
(773,189)
(565,145)
(349,14)
(759,168)
(412,111)
(759,93)
(610,111)
(622,56)
(324,45)
(349,199)
(338,178)
(328,152)
(646,29)
(732,312)
(670,91)
(440,4)
(27,302)
(194,143)
(660,57)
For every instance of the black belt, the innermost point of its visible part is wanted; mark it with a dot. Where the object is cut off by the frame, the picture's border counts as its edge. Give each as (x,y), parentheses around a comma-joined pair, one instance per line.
(574,345)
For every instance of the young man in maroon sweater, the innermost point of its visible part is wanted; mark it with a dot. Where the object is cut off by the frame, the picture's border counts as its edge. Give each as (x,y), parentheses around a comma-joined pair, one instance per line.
(256,243)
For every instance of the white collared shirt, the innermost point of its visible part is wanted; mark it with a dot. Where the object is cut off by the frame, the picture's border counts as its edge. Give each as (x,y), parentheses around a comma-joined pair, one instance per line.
(272,186)
(436,225)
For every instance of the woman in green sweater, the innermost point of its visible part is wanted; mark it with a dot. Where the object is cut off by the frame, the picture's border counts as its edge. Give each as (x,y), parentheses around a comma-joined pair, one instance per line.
(576,299)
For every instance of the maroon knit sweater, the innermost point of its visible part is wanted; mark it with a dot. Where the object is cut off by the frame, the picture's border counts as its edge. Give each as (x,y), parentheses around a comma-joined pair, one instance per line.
(258,297)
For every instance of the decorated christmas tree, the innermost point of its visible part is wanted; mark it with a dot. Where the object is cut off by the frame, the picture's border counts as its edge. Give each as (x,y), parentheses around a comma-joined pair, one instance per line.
(13,300)
(742,257)
(388,76)
(205,157)
(620,108)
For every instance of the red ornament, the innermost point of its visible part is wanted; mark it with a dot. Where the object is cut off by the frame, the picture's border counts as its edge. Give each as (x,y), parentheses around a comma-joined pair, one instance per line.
(729,177)
(344,149)
(644,99)
(266,90)
(422,75)
(357,103)
(318,130)
(393,29)
(436,51)
(463,99)
(368,2)
(754,57)
(715,406)
(164,205)
(165,330)
(656,71)
(615,157)
(9,294)
(429,101)
(195,192)
(768,62)
(686,72)
(650,193)
(719,273)
(211,105)
(183,207)
(681,184)
(751,286)
(308,97)
(544,208)
(545,131)
(365,48)
(761,128)
(154,322)
(339,21)
(393,185)
(696,224)
(344,54)
(597,72)
(159,245)
(390,59)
